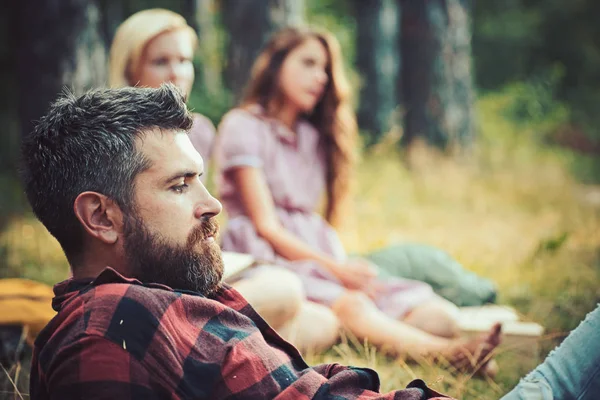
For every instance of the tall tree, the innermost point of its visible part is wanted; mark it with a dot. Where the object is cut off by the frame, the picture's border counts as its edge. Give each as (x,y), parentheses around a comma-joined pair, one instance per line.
(249,24)
(59,45)
(436,78)
(377,60)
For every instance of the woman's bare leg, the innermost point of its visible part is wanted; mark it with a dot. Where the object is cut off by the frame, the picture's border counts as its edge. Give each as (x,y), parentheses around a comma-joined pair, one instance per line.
(275,293)
(361,317)
(301,331)
(438,317)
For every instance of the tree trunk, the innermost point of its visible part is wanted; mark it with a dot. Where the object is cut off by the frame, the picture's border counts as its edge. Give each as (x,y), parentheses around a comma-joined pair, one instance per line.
(59,45)
(436,74)
(463,119)
(377,62)
(249,24)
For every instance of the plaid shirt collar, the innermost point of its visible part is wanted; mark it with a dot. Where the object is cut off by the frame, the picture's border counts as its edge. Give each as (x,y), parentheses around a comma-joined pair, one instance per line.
(67,289)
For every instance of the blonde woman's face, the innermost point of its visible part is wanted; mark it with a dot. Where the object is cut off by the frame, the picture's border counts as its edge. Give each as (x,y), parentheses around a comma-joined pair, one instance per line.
(303,76)
(167,58)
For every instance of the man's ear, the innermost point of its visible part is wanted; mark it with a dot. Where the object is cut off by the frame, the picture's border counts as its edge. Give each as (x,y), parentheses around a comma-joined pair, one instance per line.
(100,216)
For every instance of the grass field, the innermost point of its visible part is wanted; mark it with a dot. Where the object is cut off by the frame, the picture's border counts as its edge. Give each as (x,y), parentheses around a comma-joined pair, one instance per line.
(511,210)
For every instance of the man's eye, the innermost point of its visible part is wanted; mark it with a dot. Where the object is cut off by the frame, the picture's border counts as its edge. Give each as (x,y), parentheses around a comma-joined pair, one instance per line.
(180,188)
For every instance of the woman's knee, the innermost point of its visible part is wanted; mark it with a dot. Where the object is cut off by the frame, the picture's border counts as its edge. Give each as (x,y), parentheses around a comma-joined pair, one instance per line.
(275,293)
(285,288)
(314,329)
(439,318)
(352,304)
(323,318)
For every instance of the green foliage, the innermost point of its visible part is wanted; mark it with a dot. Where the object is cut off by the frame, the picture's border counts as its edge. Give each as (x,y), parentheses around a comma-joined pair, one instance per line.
(12,199)
(337,17)
(534,103)
(552,244)
(211,105)
(521,40)
(504,35)
(207,101)
(527,117)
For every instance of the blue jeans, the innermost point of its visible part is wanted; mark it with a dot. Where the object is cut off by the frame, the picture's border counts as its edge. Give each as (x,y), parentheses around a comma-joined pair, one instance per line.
(571,371)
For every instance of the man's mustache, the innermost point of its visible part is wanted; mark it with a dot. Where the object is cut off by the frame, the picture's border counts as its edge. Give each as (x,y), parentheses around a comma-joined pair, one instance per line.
(208,227)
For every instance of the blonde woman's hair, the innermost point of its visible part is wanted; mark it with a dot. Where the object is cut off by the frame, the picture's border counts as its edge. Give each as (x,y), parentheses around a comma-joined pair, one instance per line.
(133,35)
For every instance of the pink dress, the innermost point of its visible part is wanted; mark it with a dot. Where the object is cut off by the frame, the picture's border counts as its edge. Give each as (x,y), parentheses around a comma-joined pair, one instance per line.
(202,136)
(294,169)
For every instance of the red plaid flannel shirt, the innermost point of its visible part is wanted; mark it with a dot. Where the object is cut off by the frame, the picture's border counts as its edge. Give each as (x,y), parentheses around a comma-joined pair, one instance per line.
(116,338)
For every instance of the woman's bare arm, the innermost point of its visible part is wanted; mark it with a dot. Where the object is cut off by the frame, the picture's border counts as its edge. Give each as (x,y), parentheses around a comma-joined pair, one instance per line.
(258,203)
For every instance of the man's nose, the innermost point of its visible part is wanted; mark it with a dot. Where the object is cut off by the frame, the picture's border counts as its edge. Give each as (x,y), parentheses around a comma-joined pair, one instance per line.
(209,207)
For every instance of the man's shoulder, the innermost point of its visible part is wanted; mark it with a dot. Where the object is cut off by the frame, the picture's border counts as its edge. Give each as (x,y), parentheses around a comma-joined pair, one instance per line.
(111,306)
(120,321)
(141,314)
(136,317)
(96,309)
(109,296)
(117,301)
(116,310)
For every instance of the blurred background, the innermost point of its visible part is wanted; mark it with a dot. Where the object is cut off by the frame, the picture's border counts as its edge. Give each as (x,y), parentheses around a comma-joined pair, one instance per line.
(478,120)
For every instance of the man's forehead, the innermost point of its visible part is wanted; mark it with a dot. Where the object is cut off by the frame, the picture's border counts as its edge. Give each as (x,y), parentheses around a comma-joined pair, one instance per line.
(164,148)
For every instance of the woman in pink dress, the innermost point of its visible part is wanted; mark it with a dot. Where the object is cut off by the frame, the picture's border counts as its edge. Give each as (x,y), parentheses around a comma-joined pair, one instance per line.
(156,46)
(290,143)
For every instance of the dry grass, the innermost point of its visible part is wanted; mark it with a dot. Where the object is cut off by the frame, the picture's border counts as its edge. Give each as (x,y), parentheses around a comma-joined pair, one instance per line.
(510,211)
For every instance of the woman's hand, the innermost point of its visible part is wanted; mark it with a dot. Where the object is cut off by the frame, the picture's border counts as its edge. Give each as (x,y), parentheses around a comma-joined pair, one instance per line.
(356,274)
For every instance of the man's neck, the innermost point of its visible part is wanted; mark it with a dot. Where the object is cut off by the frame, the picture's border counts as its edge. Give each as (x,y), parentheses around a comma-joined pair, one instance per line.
(84,272)
(91,264)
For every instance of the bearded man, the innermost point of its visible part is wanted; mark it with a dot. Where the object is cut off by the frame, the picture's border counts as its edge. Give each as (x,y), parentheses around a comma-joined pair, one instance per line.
(114,177)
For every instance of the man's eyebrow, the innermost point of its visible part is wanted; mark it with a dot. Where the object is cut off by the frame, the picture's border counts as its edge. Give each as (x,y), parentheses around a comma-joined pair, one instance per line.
(182,174)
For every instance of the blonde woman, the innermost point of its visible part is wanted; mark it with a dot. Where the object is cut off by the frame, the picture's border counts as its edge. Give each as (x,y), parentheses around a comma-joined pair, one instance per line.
(156,46)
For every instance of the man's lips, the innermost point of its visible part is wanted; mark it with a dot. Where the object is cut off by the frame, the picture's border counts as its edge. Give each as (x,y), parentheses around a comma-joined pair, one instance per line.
(211,235)
(209,239)
(204,234)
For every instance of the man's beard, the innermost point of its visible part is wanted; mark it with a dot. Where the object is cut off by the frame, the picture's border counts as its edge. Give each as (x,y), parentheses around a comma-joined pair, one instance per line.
(196,266)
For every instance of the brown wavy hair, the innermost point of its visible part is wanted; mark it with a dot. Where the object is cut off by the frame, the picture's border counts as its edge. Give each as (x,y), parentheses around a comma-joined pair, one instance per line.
(332,116)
